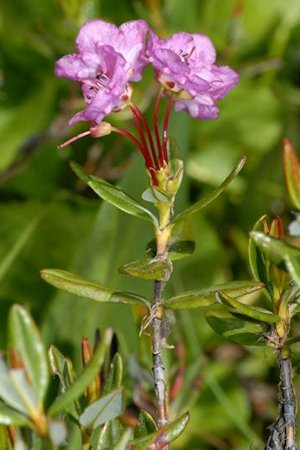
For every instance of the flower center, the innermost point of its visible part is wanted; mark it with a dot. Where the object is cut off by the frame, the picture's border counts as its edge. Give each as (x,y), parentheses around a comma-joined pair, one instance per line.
(185,56)
(95,84)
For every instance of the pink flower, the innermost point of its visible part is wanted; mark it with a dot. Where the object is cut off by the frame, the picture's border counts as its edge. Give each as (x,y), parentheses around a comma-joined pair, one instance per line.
(108,59)
(185,66)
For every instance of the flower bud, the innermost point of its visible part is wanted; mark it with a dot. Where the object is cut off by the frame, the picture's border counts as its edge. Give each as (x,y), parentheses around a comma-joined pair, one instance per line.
(101,129)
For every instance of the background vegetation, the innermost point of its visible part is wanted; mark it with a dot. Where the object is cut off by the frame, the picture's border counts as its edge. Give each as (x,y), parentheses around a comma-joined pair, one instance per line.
(48,218)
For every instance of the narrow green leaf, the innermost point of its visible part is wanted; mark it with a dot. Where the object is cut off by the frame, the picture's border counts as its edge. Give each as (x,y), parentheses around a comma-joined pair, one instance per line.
(9,416)
(106,408)
(167,434)
(57,432)
(61,367)
(255,257)
(145,426)
(293,266)
(114,377)
(207,296)
(225,322)
(25,338)
(147,269)
(205,201)
(82,287)
(114,195)
(107,435)
(124,439)
(259,314)
(84,379)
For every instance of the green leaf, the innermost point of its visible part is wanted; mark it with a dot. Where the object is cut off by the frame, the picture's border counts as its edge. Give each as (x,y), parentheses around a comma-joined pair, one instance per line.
(178,249)
(230,325)
(16,391)
(114,377)
(292,172)
(25,338)
(107,435)
(279,253)
(145,426)
(259,314)
(124,439)
(87,375)
(106,408)
(77,285)
(170,432)
(148,269)
(255,256)
(205,201)
(9,416)
(114,195)
(207,296)
(57,432)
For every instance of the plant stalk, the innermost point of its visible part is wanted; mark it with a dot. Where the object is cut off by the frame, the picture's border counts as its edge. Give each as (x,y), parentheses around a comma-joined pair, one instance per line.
(163,234)
(283,430)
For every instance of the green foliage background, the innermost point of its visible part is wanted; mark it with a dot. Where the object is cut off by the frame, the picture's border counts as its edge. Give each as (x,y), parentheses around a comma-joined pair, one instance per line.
(48,218)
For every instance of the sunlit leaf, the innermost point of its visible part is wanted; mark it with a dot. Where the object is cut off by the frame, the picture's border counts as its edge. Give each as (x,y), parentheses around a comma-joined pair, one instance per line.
(25,338)
(205,201)
(207,296)
(235,328)
(259,314)
(148,269)
(85,378)
(106,408)
(77,285)
(114,195)
(9,416)
(123,441)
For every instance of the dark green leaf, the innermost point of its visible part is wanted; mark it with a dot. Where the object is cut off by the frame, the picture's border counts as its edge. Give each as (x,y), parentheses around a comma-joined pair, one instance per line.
(107,435)
(233,327)
(106,408)
(145,426)
(170,432)
(148,269)
(207,296)
(84,379)
(114,377)
(203,202)
(26,340)
(77,285)
(259,314)
(114,195)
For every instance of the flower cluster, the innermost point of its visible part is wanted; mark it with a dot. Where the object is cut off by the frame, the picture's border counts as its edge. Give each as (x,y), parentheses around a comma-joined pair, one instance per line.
(110,58)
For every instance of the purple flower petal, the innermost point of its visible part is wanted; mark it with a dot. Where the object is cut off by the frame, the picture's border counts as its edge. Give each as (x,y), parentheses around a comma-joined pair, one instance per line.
(185,66)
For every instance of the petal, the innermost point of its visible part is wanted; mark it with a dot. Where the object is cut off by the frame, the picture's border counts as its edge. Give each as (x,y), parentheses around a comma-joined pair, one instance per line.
(225,80)
(96,32)
(204,53)
(69,66)
(197,109)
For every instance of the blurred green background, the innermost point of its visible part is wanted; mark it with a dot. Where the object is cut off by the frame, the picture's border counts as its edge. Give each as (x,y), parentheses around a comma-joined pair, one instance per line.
(49,219)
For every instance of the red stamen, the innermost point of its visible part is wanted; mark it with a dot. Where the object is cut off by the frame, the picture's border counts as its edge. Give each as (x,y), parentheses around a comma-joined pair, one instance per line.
(165,129)
(138,145)
(155,123)
(141,131)
(138,112)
